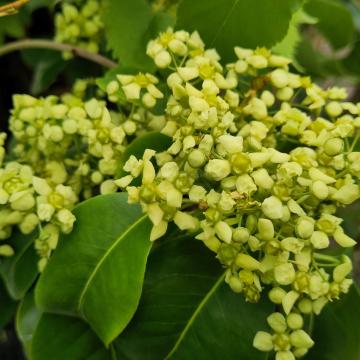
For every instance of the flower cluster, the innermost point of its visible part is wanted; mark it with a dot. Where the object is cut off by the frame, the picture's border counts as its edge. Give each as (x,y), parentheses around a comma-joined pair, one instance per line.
(79,23)
(26,201)
(66,150)
(260,160)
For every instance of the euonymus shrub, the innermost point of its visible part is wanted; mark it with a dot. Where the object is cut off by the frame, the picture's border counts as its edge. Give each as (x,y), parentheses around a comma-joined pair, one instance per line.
(259,160)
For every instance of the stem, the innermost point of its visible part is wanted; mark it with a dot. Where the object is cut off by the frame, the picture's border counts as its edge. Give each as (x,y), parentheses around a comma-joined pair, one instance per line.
(327,258)
(52,45)
(11,8)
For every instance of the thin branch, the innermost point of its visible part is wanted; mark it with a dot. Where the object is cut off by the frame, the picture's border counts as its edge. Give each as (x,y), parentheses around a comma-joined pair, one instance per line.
(52,45)
(12,8)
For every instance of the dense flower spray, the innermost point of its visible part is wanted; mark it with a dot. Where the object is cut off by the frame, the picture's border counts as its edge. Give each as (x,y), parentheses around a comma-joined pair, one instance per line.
(260,160)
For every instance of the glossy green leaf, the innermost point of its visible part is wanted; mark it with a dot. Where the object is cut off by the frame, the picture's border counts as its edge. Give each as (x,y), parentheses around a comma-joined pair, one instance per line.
(151,140)
(63,337)
(188,312)
(129,26)
(20,271)
(97,271)
(228,23)
(337,331)
(7,306)
(27,319)
(334,21)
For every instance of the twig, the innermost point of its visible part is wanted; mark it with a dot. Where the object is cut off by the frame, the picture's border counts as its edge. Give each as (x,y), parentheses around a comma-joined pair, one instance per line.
(52,45)
(12,8)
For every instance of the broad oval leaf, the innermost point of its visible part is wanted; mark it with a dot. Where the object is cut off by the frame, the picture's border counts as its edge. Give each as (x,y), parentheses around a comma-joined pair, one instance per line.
(97,271)
(187,311)
(20,271)
(336,330)
(27,318)
(151,140)
(60,337)
(228,23)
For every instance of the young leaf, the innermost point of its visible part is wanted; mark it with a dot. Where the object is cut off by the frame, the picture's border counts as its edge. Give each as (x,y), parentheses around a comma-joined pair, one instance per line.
(97,270)
(61,337)
(27,318)
(151,140)
(20,271)
(337,332)
(129,26)
(188,312)
(228,23)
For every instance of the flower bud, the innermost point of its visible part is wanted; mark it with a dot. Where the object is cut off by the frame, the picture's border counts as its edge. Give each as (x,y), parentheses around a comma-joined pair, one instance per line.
(6,250)
(292,244)
(185,221)
(276,295)
(333,108)
(333,146)
(247,262)
(272,207)
(245,184)
(223,231)
(347,194)
(295,321)
(342,239)
(162,59)
(277,322)
(305,306)
(300,339)
(217,169)
(196,158)
(319,240)
(341,271)
(279,78)
(316,174)
(284,274)
(235,284)
(320,189)
(304,227)
(241,235)
(262,179)
(266,229)
(263,341)
(231,144)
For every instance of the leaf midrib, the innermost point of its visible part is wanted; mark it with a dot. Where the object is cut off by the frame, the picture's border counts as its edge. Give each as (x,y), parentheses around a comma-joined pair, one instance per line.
(222,26)
(103,258)
(195,314)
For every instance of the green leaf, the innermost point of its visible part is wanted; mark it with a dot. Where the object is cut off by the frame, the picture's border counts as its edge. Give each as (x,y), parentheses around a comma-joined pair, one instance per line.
(97,271)
(20,271)
(337,331)
(47,65)
(335,21)
(7,307)
(27,319)
(287,46)
(13,25)
(129,26)
(228,23)
(188,312)
(151,140)
(61,337)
